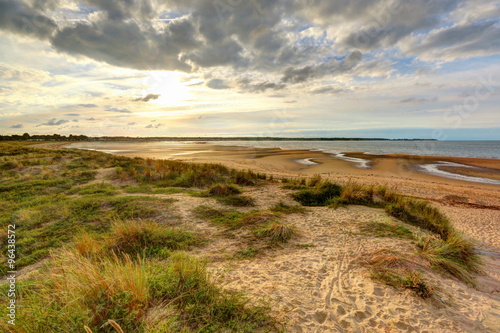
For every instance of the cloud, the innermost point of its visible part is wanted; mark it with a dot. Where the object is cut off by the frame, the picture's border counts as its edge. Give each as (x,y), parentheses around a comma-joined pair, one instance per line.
(19,18)
(123,44)
(217,84)
(54,122)
(154,126)
(419,100)
(132,123)
(460,40)
(118,110)
(247,85)
(147,98)
(72,114)
(17,126)
(91,118)
(327,90)
(332,68)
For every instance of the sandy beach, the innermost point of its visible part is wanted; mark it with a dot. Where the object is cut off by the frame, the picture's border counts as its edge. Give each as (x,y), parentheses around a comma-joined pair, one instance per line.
(319,282)
(474,208)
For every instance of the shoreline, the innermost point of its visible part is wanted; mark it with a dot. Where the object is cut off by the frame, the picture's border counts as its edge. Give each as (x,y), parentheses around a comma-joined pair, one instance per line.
(473,208)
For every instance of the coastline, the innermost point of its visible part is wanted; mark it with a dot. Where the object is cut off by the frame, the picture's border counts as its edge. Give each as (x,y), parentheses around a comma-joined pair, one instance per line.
(474,208)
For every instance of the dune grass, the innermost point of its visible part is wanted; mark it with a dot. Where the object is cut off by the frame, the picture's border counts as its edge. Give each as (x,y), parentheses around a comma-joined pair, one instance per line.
(138,295)
(389,230)
(453,253)
(283,208)
(277,232)
(395,270)
(320,195)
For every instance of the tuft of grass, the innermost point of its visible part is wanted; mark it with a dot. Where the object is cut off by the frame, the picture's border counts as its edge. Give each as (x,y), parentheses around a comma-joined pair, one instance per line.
(281,207)
(237,201)
(320,196)
(248,253)
(379,229)
(99,188)
(230,219)
(393,269)
(454,256)
(148,238)
(278,232)
(223,190)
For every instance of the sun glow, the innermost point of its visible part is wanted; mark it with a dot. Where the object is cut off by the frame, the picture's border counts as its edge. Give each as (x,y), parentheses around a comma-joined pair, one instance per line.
(168,85)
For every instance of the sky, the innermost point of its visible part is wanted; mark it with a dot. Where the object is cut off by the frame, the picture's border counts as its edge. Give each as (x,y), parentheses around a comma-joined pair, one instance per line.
(284,68)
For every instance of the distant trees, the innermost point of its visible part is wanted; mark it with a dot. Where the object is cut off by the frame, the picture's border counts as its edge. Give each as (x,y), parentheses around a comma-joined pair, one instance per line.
(41,137)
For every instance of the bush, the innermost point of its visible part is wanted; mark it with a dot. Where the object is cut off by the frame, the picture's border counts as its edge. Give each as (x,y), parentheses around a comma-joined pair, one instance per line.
(222,190)
(320,196)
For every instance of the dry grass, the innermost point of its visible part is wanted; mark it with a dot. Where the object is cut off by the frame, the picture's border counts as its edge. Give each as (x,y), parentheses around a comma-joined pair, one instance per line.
(278,232)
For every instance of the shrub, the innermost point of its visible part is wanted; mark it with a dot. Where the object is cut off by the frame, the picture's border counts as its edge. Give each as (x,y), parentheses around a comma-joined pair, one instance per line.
(222,190)
(320,196)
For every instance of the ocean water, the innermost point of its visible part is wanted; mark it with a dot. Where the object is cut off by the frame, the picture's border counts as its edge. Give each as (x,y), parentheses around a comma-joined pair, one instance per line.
(477,149)
(474,149)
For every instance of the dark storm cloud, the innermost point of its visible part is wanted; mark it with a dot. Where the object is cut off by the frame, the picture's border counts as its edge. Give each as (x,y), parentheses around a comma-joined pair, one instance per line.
(147,98)
(121,43)
(19,18)
(262,36)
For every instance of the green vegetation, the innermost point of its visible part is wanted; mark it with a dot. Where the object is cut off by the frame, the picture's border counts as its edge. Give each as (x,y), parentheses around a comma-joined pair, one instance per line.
(277,232)
(283,208)
(113,256)
(386,230)
(453,253)
(248,253)
(164,173)
(321,195)
(454,256)
(237,201)
(99,188)
(223,190)
(173,295)
(394,270)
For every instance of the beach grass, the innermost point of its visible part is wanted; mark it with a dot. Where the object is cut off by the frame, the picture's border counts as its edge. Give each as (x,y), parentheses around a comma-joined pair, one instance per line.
(113,259)
(453,254)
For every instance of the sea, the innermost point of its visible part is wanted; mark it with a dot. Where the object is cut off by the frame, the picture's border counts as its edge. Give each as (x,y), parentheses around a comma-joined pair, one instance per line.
(473,149)
(476,149)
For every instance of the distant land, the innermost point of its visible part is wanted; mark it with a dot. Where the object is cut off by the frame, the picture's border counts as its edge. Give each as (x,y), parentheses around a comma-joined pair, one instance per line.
(71,137)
